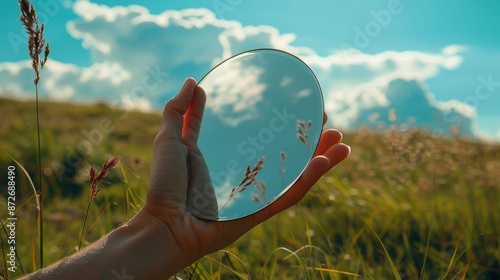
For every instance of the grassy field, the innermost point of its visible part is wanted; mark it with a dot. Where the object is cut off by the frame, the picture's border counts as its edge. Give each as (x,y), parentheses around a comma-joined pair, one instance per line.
(403,206)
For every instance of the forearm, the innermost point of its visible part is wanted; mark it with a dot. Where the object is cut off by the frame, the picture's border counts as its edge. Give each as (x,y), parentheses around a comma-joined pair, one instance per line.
(132,251)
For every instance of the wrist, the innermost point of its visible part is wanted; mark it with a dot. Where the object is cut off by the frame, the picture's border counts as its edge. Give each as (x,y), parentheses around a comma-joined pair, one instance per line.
(163,256)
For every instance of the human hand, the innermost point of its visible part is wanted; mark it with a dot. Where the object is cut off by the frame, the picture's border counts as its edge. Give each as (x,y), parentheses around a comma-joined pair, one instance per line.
(178,170)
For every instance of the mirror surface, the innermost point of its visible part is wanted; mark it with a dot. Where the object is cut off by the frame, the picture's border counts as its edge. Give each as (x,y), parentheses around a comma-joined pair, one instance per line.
(262,122)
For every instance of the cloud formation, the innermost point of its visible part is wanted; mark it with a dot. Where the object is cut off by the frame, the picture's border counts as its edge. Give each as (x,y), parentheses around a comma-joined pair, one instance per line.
(233,92)
(140,59)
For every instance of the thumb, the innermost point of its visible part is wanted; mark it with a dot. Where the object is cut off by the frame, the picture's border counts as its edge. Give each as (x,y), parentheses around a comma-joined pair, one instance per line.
(173,113)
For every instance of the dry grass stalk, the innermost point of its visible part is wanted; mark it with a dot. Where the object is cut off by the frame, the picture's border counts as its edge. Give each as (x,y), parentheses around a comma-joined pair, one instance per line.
(283,170)
(36,43)
(283,158)
(262,191)
(248,179)
(95,180)
(303,132)
(36,39)
(256,197)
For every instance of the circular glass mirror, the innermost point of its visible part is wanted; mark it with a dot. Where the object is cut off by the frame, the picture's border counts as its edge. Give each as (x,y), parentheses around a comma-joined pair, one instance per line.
(262,122)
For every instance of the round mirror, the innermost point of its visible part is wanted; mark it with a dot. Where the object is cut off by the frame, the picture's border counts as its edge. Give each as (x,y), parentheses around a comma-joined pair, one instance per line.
(263,119)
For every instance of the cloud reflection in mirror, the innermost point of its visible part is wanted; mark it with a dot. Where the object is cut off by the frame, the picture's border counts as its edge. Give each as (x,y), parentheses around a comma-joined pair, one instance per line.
(262,122)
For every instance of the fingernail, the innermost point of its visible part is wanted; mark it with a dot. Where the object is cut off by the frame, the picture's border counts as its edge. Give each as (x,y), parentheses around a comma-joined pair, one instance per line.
(186,83)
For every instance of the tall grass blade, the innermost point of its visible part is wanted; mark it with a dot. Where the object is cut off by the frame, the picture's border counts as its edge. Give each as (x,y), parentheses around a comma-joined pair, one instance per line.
(127,198)
(17,255)
(428,242)
(191,273)
(227,254)
(389,259)
(299,259)
(465,270)
(236,273)
(331,270)
(456,258)
(456,249)
(33,251)
(310,247)
(1,244)
(4,273)
(35,193)
(98,217)
(130,193)
(449,269)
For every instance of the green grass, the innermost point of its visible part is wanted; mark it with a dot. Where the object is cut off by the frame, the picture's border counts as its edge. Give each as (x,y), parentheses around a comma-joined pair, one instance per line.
(403,206)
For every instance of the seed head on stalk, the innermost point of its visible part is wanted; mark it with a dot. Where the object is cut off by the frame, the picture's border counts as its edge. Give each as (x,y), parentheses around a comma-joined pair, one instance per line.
(36,39)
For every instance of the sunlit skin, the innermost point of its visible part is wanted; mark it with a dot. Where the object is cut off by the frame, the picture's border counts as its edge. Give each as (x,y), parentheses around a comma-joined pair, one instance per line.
(164,237)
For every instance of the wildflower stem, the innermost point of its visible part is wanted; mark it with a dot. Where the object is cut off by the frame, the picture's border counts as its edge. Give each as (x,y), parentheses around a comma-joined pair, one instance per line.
(40,212)
(84,222)
(225,204)
(36,44)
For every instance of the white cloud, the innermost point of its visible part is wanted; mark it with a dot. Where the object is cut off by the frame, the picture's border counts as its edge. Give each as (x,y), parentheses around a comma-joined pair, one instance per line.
(233,92)
(286,81)
(304,93)
(411,104)
(454,49)
(223,194)
(140,60)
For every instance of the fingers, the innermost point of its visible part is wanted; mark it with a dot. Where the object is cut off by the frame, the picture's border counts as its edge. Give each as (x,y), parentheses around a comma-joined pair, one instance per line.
(337,153)
(193,118)
(328,138)
(325,118)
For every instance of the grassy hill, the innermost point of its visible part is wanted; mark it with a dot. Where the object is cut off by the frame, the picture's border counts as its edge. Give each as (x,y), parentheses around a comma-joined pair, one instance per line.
(430,206)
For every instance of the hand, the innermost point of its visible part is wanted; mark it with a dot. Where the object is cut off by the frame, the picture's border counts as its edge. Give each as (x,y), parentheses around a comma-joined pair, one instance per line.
(178,168)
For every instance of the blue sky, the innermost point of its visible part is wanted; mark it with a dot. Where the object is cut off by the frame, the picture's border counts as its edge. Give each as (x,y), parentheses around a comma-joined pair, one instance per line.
(369,56)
